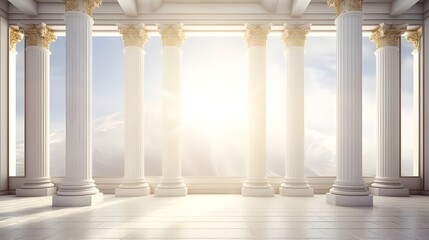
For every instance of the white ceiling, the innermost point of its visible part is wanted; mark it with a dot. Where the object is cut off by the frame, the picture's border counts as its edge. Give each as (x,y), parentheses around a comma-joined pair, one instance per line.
(217,15)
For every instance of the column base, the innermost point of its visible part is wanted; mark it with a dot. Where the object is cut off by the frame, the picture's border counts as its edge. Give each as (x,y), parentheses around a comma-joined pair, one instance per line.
(132,192)
(257,192)
(77,201)
(389,192)
(171,187)
(257,188)
(296,192)
(36,192)
(171,192)
(349,201)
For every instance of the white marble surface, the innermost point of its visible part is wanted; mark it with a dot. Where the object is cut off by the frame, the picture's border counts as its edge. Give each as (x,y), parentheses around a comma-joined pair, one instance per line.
(214,217)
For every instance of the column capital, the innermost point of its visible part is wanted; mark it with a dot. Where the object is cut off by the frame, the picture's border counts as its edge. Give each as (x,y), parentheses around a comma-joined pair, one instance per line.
(415,38)
(14,37)
(256,35)
(387,35)
(171,34)
(84,6)
(295,34)
(133,35)
(38,35)
(343,6)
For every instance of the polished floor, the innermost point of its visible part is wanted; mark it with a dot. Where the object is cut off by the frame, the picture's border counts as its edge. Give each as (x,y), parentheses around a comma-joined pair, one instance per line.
(214,217)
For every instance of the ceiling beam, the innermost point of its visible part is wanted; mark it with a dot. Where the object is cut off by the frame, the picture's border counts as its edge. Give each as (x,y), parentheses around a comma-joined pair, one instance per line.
(270,5)
(129,7)
(28,7)
(398,7)
(299,7)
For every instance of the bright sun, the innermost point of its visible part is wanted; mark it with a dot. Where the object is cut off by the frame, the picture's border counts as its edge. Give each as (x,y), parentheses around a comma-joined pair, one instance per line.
(214,92)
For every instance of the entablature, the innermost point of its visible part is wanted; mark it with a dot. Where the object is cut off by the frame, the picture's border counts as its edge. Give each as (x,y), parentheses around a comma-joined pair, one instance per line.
(208,17)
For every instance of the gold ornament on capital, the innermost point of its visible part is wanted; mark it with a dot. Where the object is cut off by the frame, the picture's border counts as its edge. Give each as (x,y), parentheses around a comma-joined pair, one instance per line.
(85,6)
(415,38)
(256,35)
(341,6)
(171,34)
(133,35)
(14,37)
(38,35)
(295,34)
(387,35)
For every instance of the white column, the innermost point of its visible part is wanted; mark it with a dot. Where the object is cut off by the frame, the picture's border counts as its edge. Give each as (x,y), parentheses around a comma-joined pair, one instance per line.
(78,188)
(14,37)
(171,183)
(424,93)
(37,177)
(256,184)
(4,49)
(388,87)
(349,188)
(134,183)
(415,38)
(294,183)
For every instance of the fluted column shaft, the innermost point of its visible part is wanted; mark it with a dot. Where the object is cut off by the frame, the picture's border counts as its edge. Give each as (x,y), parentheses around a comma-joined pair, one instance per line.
(37,116)
(415,38)
(388,90)
(134,182)
(37,177)
(12,112)
(14,37)
(171,183)
(349,188)
(256,183)
(257,103)
(294,164)
(416,111)
(294,183)
(388,114)
(78,182)
(171,164)
(134,112)
(349,99)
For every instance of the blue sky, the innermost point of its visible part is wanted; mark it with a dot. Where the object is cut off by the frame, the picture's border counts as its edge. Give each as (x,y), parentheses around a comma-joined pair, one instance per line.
(214,75)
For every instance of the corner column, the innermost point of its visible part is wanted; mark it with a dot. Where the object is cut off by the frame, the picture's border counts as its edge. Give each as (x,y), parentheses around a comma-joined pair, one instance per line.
(172,183)
(37,178)
(294,183)
(387,182)
(4,49)
(349,188)
(256,184)
(415,38)
(424,93)
(134,183)
(78,188)
(14,37)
